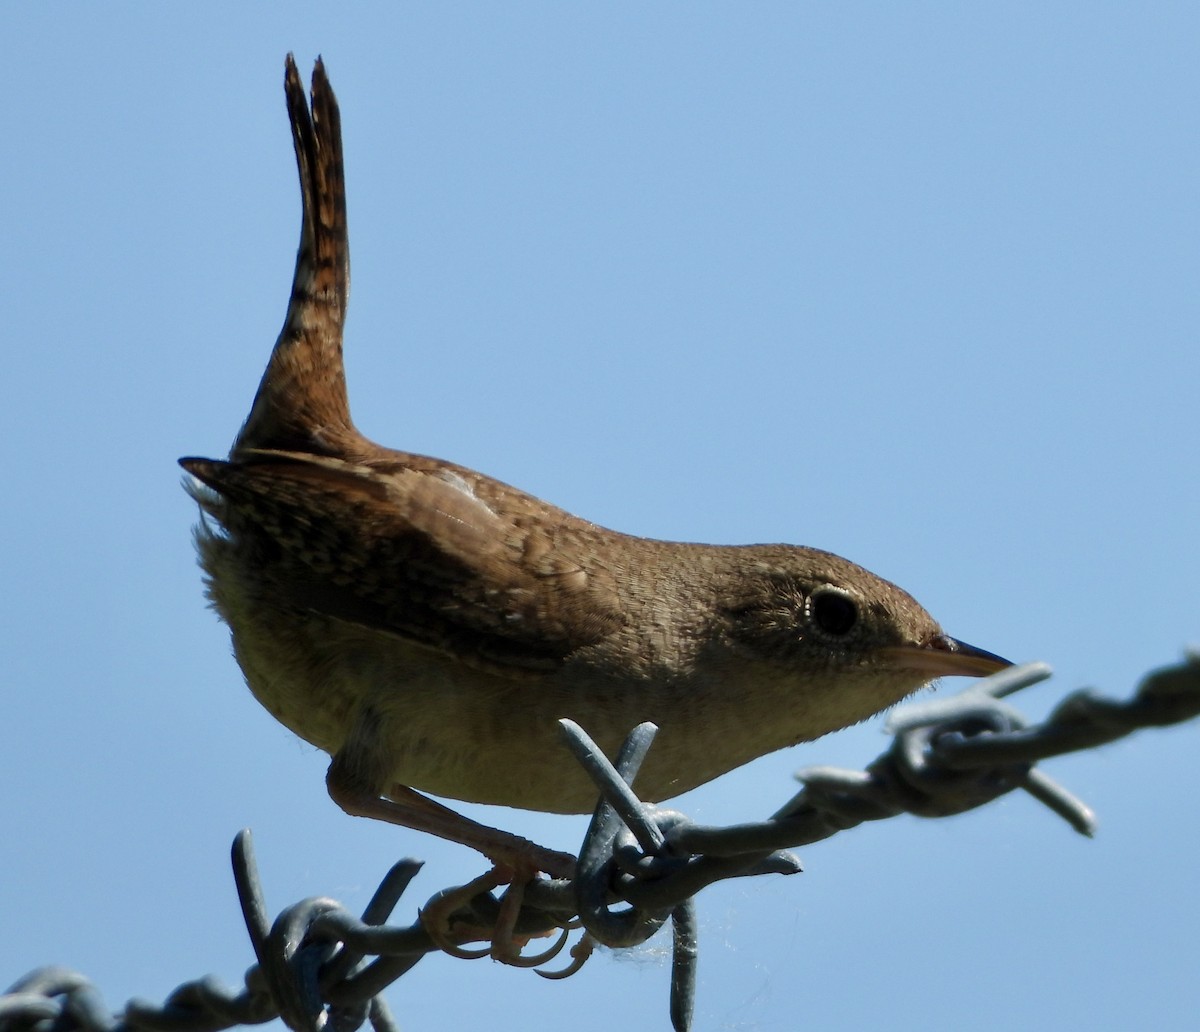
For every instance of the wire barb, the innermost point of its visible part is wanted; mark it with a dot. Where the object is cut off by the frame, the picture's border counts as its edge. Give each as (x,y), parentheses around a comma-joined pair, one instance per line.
(313,970)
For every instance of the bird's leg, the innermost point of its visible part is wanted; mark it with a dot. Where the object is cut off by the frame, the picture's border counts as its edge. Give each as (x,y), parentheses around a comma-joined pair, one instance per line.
(361,781)
(410,809)
(517,860)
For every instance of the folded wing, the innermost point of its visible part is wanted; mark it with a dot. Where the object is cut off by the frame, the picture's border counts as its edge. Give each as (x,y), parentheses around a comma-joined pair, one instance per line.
(414,552)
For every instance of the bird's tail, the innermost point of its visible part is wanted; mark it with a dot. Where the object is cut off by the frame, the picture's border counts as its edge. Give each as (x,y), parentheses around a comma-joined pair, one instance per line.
(301,402)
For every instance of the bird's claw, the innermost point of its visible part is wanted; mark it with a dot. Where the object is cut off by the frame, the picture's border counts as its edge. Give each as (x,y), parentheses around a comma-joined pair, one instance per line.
(448,934)
(579,955)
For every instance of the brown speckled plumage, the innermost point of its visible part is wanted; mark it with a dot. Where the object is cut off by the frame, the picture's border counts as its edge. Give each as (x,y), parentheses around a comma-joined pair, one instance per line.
(428,625)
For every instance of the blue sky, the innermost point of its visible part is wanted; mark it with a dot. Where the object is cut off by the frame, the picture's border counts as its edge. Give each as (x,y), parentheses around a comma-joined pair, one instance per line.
(913,283)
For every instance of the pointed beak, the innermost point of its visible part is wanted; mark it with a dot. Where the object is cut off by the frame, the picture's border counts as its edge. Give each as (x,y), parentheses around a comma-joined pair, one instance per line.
(943,656)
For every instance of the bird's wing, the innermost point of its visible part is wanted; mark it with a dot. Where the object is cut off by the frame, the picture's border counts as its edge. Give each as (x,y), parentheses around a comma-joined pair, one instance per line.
(415,552)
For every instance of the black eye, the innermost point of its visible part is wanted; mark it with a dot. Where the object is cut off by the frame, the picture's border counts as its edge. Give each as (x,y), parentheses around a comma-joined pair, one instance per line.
(834,613)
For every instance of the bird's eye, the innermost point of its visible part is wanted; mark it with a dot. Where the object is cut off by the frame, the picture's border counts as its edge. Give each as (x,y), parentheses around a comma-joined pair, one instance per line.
(833,612)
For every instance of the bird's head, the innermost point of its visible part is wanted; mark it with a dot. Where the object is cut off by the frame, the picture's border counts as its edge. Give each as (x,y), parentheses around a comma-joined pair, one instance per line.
(853,642)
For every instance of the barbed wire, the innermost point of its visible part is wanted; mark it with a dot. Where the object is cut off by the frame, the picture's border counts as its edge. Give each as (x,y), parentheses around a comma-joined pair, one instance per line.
(321,968)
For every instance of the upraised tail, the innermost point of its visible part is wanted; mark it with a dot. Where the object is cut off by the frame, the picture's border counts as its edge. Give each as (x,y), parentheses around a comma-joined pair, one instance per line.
(301,402)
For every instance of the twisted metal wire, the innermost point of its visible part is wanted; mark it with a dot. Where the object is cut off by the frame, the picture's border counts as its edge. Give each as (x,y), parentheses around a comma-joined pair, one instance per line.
(648,863)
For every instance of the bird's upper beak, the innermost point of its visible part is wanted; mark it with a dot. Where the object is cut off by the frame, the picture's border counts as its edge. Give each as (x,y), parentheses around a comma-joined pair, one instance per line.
(943,656)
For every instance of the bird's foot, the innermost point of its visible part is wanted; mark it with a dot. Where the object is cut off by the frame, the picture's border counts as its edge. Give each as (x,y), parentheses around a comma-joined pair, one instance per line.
(442,918)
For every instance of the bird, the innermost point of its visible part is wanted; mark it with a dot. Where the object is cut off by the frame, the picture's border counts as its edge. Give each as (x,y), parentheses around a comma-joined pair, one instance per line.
(427,625)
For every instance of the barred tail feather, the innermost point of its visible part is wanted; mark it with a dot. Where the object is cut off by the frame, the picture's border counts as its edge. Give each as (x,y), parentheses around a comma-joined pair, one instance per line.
(301,402)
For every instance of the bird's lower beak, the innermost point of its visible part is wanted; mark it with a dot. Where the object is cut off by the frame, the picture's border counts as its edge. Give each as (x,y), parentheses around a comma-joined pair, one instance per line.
(944,656)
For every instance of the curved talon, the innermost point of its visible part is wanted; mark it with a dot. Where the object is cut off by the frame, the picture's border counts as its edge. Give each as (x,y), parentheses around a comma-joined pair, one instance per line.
(459,952)
(579,954)
(502,946)
(507,949)
(521,961)
(435,916)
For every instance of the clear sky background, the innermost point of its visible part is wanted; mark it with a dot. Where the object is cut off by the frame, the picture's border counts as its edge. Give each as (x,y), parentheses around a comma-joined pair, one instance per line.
(913,283)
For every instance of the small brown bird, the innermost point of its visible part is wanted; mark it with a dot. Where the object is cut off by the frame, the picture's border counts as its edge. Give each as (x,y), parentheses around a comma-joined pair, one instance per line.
(427,625)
